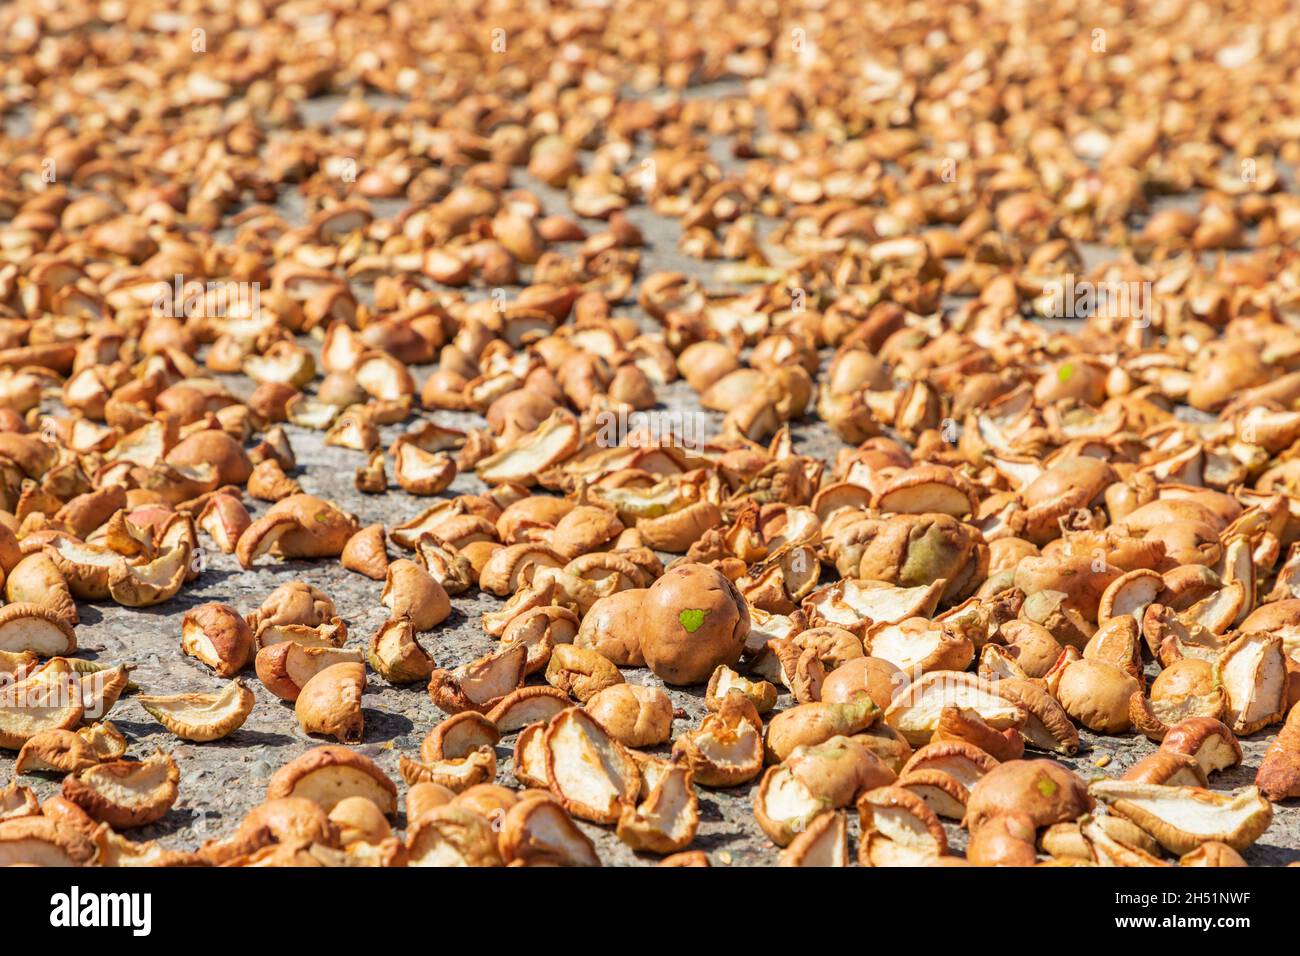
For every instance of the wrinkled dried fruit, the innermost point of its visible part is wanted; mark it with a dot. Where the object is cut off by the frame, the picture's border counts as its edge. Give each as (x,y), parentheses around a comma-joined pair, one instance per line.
(202,717)
(588,771)
(126,793)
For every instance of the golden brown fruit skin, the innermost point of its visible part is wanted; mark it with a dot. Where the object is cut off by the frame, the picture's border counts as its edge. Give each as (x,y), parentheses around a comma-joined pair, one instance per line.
(218,636)
(1096,694)
(1279,773)
(914,550)
(879,678)
(330,703)
(613,627)
(1043,791)
(694,620)
(1005,840)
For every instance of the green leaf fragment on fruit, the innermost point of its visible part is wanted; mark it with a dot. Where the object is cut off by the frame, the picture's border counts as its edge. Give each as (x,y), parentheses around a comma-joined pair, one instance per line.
(692,618)
(1046,786)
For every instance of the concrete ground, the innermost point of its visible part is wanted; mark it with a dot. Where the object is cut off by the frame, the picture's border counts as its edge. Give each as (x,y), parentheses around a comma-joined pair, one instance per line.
(223,780)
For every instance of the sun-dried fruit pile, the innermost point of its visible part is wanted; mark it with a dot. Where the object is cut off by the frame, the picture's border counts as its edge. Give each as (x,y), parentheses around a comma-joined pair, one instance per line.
(779,409)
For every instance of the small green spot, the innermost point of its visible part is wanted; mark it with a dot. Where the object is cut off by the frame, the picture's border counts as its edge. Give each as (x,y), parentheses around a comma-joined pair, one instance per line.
(1046,786)
(1065,372)
(692,618)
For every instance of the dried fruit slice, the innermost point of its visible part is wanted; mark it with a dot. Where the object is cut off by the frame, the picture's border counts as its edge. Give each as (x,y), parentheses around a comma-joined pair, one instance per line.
(217,635)
(456,774)
(1207,740)
(285,668)
(1252,672)
(898,829)
(997,663)
(823,843)
(1279,772)
(530,756)
(591,773)
(829,774)
(328,774)
(396,655)
(330,703)
(15,665)
(56,751)
(1066,840)
(784,805)
(1156,715)
(317,528)
(41,841)
(540,629)
(126,793)
(148,584)
(1182,818)
(1130,595)
(115,850)
(48,700)
(917,646)
(100,686)
(915,711)
(332,633)
(815,723)
(481,684)
(1046,726)
(445,563)
(1169,768)
(726,750)
(925,489)
(762,694)
(202,717)
(538,831)
(365,553)
(800,671)
(580,672)
(966,726)
(32,628)
(16,801)
(359,820)
(411,592)
(263,535)
(1110,851)
(964,762)
(857,605)
(420,472)
(634,715)
(1217,612)
(85,567)
(105,740)
(224,518)
(549,443)
(459,736)
(452,836)
(666,820)
(1096,693)
(527,705)
(509,568)
(294,602)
